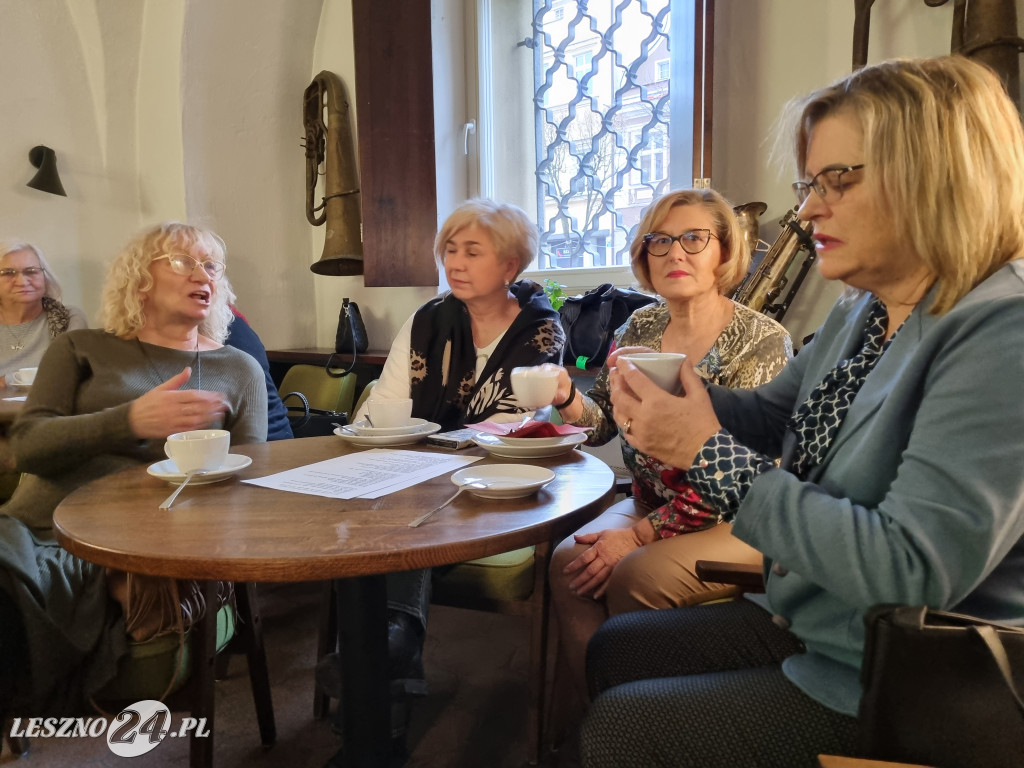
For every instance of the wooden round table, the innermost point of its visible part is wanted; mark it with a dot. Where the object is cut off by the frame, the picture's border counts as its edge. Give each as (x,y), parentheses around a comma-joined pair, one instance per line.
(239,532)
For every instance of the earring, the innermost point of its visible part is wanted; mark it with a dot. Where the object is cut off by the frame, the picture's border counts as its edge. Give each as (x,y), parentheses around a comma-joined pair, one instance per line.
(507,285)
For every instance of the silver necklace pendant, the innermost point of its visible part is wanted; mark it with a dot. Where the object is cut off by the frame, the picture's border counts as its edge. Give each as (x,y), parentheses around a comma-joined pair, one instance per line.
(17,347)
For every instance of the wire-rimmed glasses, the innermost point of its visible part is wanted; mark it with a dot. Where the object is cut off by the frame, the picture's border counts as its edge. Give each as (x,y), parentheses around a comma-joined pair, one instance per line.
(692,241)
(185,265)
(828,183)
(10,273)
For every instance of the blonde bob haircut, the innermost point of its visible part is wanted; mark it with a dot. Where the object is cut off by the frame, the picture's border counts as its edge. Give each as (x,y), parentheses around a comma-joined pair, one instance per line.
(735,251)
(51,287)
(514,236)
(130,276)
(944,154)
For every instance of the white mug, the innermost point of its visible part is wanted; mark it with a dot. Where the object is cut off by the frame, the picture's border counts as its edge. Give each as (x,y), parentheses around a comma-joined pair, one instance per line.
(660,367)
(200,449)
(534,387)
(387,414)
(24,377)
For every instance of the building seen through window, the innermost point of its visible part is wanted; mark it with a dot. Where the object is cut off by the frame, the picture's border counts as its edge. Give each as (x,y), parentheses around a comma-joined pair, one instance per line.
(595,121)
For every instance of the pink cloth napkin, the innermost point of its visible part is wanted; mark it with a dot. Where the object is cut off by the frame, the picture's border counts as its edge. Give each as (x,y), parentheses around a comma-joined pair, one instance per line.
(529,429)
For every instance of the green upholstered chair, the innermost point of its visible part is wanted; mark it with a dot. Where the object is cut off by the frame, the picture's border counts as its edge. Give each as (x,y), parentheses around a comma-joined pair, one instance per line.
(322,390)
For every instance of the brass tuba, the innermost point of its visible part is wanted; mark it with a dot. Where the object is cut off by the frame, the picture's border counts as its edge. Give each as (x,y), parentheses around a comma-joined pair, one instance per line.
(332,145)
(762,288)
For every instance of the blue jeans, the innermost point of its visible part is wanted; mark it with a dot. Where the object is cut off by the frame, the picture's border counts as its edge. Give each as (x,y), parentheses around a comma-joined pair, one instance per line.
(409,592)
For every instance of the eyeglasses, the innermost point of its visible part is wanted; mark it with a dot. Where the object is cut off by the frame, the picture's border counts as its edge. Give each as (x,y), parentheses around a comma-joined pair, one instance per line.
(828,183)
(183,264)
(692,241)
(10,273)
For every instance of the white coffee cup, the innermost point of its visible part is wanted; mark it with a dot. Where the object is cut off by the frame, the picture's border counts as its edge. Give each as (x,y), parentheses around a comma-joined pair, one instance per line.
(660,367)
(387,414)
(200,449)
(534,387)
(24,377)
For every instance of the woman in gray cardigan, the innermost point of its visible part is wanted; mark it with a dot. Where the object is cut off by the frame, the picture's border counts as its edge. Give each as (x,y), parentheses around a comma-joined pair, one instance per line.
(106,399)
(898,429)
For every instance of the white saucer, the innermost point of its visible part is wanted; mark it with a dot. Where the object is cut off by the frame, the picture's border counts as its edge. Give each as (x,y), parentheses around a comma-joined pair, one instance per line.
(513,440)
(383,441)
(363,428)
(508,481)
(168,470)
(527,448)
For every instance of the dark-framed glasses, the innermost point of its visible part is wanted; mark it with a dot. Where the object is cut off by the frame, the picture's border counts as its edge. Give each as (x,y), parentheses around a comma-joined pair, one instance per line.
(10,273)
(828,183)
(185,265)
(692,241)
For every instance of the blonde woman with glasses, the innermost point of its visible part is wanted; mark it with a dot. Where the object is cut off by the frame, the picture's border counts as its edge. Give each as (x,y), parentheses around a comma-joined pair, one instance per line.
(103,400)
(31,312)
(897,433)
(641,552)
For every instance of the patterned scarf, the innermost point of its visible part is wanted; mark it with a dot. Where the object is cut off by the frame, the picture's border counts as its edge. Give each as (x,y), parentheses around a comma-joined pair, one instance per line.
(442,364)
(57,316)
(818,419)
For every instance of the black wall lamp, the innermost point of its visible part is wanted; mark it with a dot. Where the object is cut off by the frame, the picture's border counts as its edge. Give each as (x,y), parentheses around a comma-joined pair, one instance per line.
(46,178)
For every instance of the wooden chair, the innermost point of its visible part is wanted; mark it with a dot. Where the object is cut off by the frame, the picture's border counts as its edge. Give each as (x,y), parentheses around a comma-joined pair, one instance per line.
(154,667)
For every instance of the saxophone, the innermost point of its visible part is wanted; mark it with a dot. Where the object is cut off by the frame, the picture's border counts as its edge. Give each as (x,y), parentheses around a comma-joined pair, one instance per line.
(762,288)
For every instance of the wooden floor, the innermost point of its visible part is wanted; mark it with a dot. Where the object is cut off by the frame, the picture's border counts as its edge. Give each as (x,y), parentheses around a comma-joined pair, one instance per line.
(475,715)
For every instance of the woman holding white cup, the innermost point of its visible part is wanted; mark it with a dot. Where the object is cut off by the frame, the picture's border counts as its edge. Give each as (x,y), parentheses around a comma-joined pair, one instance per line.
(104,400)
(453,359)
(688,249)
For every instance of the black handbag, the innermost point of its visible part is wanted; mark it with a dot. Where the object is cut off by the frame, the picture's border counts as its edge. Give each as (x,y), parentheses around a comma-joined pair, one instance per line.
(312,422)
(350,338)
(942,689)
(590,320)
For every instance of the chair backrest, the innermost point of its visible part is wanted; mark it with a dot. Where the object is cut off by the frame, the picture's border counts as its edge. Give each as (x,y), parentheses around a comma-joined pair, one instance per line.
(321,390)
(363,397)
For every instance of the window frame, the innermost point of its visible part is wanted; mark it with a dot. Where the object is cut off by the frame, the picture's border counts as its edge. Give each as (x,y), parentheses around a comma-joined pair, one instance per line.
(680,147)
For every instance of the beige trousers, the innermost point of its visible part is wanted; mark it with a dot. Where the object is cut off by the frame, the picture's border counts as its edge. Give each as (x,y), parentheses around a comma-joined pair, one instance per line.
(659,575)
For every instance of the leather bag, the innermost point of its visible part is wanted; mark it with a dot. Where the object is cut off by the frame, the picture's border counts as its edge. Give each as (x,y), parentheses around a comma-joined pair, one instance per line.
(312,422)
(350,338)
(590,320)
(942,689)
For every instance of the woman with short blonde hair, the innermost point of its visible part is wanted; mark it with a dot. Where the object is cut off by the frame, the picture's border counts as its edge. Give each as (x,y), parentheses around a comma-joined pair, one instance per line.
(882,465)
(735,260)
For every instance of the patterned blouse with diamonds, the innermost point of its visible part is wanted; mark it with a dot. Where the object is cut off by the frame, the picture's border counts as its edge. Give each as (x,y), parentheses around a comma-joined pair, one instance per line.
(724,469)
(750,351)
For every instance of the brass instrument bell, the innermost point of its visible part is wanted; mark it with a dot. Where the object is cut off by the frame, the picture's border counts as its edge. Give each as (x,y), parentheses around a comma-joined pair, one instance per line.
(330,143)
(747,215)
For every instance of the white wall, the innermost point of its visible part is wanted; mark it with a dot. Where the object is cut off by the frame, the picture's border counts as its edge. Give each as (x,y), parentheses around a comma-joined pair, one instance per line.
(190,108)
(383,310)
(770,51)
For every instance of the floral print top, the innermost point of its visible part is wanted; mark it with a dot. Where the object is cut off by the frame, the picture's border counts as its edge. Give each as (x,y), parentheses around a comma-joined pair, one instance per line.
(751,350)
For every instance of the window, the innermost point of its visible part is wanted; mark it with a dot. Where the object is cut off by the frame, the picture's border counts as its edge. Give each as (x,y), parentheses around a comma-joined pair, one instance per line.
(577,123)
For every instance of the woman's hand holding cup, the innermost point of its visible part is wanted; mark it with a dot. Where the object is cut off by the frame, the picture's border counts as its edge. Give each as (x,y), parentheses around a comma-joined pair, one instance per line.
(167,409)
(672,429)
(538,385)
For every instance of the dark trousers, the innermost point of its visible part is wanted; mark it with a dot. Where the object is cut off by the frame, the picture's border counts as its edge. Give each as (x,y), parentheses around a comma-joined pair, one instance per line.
(703,686)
